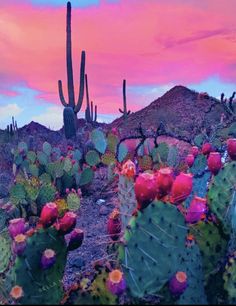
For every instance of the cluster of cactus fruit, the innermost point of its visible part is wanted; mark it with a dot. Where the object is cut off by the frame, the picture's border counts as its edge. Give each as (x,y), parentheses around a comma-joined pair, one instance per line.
(171,232)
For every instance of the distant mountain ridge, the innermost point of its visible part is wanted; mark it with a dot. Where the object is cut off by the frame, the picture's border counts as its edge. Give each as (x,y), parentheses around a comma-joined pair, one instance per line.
(184,111)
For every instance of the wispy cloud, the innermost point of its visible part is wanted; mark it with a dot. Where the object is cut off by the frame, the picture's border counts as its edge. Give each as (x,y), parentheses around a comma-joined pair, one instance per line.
(9,110)
(51,117)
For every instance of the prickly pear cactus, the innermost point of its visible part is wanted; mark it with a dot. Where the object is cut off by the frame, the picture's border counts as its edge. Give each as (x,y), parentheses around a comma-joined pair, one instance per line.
(222,195)
(99,140)
(199,165)
(73,201)
(127,199)
(108,158)
(41,286)
(173,157)
(212,243)
(153,248)
(92,158)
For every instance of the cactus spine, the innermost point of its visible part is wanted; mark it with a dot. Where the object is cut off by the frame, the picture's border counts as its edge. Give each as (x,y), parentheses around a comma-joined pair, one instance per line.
(124,111)
(70,81)
(89,109)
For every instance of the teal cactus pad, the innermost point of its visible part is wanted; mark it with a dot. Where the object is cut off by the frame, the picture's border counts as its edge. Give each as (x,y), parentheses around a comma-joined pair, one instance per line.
(99,140)
(47,148)
(221,194)
(153,248)
(86,176)
(92,158)
(47,194)
(199,165)
(122,152)
(17,193)
(5,251)
(173,158)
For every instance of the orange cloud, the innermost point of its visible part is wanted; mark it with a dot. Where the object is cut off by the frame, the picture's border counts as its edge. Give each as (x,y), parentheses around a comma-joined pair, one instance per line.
(147,42)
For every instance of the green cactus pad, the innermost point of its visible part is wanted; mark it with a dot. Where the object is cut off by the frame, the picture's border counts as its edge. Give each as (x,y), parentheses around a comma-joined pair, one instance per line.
(99,140)
(42,158)
(108,158)
(173,158)
(127,199)
(5,251)
(199,140)
(22,146)
(212,243)
(112,141)
(86,176)
(229,278)
(99,290)
(73,201)
(221,194)
(41,286)
(122,152)
(45,178)
(31,156)
(31,192)
(17,193)
(77,155)
(67,165)
(46,194)
(153,248)
(47,148)
(199,165)
(34,170)
(92,158)
(145,162)
(191,264)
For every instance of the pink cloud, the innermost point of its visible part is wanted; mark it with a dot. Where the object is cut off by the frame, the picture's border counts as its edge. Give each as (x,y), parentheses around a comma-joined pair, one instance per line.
(146,42)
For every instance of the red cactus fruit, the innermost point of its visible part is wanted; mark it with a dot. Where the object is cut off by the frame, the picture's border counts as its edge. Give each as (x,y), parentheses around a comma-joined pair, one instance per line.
(146,189)
(164,179)
(76,239)
(206,148)
(48,259)
(231,148)
(19,244)
(49,214)
(114,225)
(67,223)
(181,188)
(189,160)
(214,162)
(196,210)
(178,283)
(195,151)
(116,282)
(16,227)
(16,292)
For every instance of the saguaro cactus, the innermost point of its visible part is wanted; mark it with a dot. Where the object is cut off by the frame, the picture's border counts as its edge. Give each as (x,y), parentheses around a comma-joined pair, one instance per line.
(124,111)
(70,81)
(89,109)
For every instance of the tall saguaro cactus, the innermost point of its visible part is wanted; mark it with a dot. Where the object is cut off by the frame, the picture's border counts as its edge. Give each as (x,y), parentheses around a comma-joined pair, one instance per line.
(124,111)
(70,81)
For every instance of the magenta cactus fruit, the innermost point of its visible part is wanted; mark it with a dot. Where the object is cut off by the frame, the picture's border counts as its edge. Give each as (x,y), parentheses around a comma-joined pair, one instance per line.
(214,162)
(178,283)
(67,223)
(49,214)
(196,210)
(181,188)
(19,244)
(206,148)
(231,148)
(16,227)
(76,239)
(164,180)
(189,160)
(114,225)
(48,259)
(116,282)
(146,189)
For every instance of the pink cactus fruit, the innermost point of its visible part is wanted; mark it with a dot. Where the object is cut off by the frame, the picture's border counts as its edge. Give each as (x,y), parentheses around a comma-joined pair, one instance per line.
(76,239)
(164,180)
(196,210)
(19,244)
(178,283)
(146,189)
(206,148)
(214,162)
(116,282)
(48,259)
(49,214)
(114,225)
(67,223)
(16,227)
(231,148)
(195,151)
(181,188)
(189,160)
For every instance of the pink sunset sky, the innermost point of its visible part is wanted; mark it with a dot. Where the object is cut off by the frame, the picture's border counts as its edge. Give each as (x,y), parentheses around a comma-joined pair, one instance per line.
(153,44)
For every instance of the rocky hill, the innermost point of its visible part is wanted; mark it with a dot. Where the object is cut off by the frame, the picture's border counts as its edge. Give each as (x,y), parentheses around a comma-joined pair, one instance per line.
(184,112)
